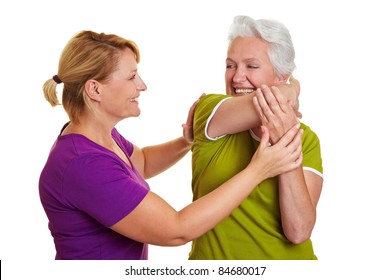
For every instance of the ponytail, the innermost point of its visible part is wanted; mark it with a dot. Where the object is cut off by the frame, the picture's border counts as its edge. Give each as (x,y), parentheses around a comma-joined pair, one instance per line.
(50,92)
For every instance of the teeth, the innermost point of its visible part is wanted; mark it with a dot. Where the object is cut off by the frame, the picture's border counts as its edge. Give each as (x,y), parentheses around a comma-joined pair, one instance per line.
(244,90)
(134,99)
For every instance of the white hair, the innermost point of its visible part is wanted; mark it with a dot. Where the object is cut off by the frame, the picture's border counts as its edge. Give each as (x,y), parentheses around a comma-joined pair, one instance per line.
(281,51)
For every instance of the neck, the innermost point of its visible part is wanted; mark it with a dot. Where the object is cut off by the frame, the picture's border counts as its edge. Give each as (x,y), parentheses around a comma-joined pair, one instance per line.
(97,132)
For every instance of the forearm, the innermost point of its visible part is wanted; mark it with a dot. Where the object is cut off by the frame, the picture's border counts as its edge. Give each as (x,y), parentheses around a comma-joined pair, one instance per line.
(154,221)
(297,210)
(160,157)
(239,113)
(206,212)
(234,115)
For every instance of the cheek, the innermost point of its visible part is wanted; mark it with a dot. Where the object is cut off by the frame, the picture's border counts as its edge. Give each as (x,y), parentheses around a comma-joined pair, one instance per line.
(257,78)
(229,77)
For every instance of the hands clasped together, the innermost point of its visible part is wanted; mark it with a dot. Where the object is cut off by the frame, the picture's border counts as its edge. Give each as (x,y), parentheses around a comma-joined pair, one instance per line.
(280,127)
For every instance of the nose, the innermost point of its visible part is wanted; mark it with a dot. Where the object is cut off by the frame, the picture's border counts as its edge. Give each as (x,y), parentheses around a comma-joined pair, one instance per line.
(141,85)
(239,75)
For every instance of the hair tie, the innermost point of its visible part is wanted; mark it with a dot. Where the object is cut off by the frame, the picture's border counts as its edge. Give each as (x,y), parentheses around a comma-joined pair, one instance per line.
(57,79)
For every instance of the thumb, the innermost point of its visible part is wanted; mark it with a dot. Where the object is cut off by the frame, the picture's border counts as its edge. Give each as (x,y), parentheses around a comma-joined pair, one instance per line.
(264,137)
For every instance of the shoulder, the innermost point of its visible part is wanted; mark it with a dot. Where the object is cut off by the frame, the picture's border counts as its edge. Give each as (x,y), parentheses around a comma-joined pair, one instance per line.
(208,102)
(204,111)
(311,149)
(125,144)
(309,135)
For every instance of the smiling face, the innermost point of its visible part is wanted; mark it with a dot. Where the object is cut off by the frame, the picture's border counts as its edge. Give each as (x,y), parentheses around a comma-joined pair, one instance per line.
(119,95)
(248,66)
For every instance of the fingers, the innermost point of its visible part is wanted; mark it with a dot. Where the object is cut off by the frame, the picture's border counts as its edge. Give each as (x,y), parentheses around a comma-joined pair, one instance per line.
(291,145)
(256,104)
(272,101)
(187,127)
(264,141)
(281,102)
(295,146)
(289,137)
(259,103)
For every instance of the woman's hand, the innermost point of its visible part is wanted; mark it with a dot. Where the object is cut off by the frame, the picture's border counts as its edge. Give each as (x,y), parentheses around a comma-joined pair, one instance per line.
(187,127)
(275,112)
(291,91)
(281,157)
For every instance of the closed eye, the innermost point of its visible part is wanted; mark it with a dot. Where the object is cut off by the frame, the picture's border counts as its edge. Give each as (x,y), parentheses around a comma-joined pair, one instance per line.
(230,66)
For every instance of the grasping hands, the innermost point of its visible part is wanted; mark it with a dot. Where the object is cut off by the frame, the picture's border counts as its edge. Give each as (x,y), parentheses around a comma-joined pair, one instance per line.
(187,127)
(281,157)
(275,112)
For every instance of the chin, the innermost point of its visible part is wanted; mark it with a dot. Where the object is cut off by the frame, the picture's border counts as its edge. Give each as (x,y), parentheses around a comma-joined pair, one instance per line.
(133,114)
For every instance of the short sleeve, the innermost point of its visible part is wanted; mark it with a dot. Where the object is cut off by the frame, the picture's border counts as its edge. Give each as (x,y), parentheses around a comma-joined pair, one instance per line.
(311,150)
(203,113)
(103,187)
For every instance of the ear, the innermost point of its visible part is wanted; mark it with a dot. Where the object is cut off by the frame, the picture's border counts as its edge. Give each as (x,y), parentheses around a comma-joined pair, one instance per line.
(92,90)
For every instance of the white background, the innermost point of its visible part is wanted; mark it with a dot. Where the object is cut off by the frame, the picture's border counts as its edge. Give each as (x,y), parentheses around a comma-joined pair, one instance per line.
(342,55)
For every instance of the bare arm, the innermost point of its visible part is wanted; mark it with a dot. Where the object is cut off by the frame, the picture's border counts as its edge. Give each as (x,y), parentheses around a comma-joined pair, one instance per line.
(152,160)
(299,192)
(238,114)
(153,221)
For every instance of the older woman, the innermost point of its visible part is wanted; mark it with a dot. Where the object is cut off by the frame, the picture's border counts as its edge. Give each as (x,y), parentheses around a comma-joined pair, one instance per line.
(277,218)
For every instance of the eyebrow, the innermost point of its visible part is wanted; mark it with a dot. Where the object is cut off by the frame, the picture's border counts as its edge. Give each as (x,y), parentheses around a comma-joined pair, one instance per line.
(252,59)
(133,71)
(246,60)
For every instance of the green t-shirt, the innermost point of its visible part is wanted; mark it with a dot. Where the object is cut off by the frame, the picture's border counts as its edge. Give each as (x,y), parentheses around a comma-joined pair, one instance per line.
(254,229)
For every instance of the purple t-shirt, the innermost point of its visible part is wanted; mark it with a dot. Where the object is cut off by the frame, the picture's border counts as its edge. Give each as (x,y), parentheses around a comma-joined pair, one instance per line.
(85,189)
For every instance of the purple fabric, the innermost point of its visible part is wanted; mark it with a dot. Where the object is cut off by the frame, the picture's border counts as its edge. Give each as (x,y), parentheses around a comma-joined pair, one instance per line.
(84,189)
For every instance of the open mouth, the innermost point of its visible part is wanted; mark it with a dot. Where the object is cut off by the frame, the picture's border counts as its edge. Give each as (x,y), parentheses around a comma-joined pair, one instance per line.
(243,91)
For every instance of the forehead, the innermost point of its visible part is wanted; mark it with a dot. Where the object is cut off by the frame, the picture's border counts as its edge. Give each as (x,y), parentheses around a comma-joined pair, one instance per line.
(126,64)
(127,61)
(247,48)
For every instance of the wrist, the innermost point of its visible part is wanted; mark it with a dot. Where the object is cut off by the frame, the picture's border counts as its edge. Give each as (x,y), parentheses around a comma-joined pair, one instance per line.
(254,174)
(184,143)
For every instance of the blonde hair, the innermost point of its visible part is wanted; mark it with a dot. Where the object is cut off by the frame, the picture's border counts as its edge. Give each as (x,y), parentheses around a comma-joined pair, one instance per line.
(88,55)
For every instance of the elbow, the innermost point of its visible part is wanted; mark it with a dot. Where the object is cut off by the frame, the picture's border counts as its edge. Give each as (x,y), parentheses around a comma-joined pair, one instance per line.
(173,242)
(180,241)
(177,236)
(298,235)
(299,232)
(297,239)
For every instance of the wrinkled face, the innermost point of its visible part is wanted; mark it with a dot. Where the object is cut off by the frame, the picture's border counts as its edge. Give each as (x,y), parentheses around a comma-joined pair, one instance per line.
(248,66)
(120,93)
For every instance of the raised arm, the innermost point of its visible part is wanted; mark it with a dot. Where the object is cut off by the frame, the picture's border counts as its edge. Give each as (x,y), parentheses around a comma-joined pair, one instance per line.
(153,221)
(238,114)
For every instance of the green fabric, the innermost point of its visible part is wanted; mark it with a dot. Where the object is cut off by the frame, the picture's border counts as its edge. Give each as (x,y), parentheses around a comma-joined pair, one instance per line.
(253,230)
